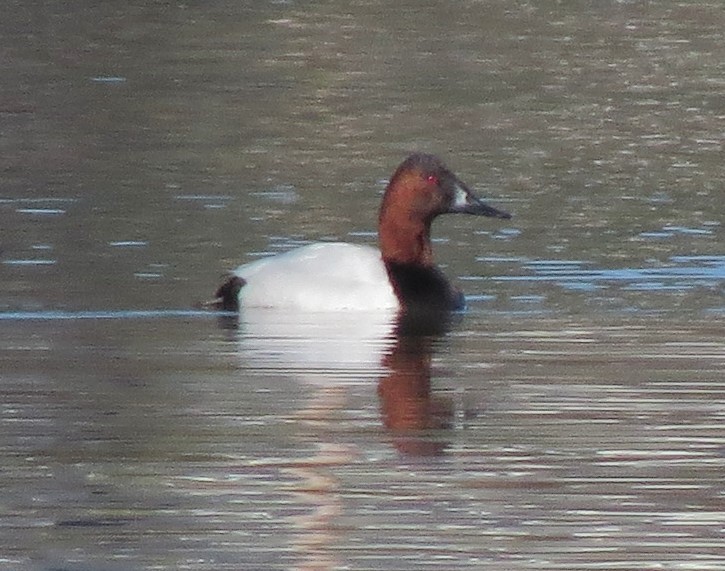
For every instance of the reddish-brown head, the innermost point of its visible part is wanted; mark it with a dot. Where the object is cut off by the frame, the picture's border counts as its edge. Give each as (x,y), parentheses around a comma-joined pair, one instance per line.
(422,188)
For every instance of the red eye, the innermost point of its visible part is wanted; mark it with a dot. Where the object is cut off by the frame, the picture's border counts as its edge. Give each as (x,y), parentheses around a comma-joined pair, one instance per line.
(433,179)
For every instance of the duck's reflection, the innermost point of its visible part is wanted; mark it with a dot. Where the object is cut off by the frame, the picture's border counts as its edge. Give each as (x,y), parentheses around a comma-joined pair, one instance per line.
(326,352)
(331,350)
(410,410)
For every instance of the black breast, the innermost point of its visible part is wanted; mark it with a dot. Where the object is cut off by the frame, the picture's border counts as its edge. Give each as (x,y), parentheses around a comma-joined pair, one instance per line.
(423,288)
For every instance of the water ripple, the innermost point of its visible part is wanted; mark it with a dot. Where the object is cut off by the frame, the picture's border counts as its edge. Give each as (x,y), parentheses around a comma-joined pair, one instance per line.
(684,273)
(110,314)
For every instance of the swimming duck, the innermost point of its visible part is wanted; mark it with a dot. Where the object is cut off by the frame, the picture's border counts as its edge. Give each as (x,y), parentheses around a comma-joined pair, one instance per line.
(338,276)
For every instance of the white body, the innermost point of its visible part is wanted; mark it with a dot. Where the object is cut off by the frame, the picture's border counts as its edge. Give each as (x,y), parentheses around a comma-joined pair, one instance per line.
(330,276)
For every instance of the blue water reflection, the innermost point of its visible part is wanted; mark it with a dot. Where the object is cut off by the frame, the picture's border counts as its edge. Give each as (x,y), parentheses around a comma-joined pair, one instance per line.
(682,273)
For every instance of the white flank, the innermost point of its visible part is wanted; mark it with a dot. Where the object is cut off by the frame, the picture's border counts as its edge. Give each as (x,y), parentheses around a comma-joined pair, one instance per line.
(332,276)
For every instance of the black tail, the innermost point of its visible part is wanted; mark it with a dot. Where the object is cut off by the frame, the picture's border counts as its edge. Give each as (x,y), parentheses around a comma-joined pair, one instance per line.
(227,296)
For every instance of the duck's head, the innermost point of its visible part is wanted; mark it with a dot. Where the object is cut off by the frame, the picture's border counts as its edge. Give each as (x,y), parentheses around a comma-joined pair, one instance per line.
(422,188)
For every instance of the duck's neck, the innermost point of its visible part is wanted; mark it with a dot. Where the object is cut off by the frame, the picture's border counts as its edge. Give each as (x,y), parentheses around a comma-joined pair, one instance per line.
(408,258)
(405,241)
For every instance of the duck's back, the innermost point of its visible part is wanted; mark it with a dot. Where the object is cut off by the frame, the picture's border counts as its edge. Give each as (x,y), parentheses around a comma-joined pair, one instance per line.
(319,277)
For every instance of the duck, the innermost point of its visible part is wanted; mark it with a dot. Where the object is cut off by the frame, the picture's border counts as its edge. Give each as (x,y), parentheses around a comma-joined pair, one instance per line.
(400,274)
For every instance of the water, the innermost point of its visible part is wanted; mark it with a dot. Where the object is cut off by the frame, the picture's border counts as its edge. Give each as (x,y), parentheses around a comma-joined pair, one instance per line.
(571,419)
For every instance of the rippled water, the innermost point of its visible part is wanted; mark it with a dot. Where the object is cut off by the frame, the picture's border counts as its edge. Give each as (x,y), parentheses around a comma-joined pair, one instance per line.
(570,419)
(547,443)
